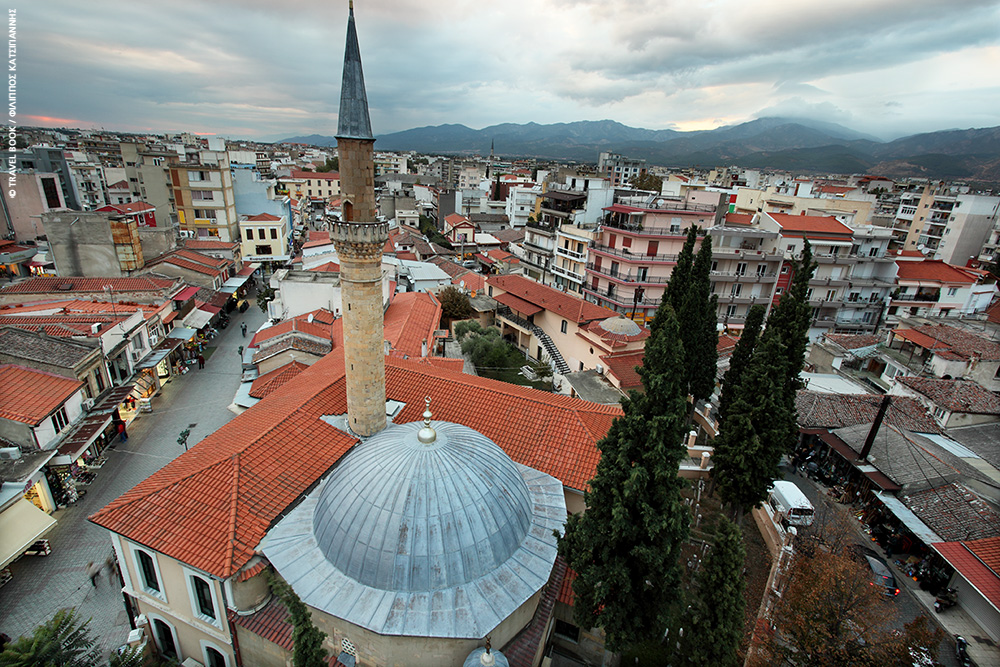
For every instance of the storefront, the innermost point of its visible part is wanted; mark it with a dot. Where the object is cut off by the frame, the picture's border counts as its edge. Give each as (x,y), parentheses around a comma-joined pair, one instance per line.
(21,525)
(79,456)
(162,359)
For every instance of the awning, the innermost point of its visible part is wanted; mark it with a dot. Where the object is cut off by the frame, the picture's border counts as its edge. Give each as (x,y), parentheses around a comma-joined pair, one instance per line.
(248,269)
(906,516)
(183,333)
(197,318)
(83,435)
(208,308)
(518,304)
(235,283)
(155,357)
(878,478)
(185,294)
(21,525)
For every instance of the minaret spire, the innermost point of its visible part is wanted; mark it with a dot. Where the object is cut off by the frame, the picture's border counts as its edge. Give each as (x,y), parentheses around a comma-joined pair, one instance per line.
(359,239)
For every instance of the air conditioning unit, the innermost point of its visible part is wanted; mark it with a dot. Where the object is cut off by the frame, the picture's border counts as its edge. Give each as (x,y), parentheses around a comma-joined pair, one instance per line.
(600,369)
(136,355)
(88,404)
(9,453)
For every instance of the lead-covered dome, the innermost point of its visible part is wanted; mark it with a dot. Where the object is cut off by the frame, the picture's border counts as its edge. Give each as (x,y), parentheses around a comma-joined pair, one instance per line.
(423,533)
(621,325)
(400,514)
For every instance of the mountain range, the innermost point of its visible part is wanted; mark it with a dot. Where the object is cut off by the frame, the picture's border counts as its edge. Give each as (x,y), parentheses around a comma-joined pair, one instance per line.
(793,144)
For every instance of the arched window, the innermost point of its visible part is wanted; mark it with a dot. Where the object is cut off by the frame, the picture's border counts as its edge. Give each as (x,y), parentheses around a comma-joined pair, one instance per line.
(203,597)
(147,571)
(213,658)
(165,638)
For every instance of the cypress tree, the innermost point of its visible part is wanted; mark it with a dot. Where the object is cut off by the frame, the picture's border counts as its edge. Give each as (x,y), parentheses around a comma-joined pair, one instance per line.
(680,277)
(700,330)
(715,620)
(625,547)
(740,359)
(792,315)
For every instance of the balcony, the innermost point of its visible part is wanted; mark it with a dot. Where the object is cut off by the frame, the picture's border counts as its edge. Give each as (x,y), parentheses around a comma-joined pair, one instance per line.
(566,273)
(743,253)
(571,254)
(624,277)
(540,249)
(619,302)
(767,276)
(629,256)
(930,296)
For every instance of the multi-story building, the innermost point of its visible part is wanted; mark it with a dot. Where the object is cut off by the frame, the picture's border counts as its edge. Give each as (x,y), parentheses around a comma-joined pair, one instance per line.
(932,288)
(969,228)
(619,169)
(265,238)
(555,208)
(390,163)
(203,192)
(87,177)
(318,185)
(630,262)
(521,203)
(803,197)
(34,195)
(146,170)
(569,263)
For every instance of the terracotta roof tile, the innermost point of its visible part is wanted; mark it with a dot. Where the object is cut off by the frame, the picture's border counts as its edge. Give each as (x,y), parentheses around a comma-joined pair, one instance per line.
(29,396)
(955,513)
(821,410)
(53,285)
(548,298)
(932,270)
(853,341)
(808,225)
(962,396)
(263,217)
(623,367)
(320,175)
(269,382)
(978,561)
(411,320)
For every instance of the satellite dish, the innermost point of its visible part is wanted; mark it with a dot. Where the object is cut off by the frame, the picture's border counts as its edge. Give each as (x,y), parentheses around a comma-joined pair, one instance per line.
(461,283)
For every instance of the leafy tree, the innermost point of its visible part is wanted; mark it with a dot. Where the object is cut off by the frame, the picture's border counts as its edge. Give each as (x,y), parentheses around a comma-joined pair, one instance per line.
(699,308)
(308,648)
(680,277)
(625,547)
(487,349)
(264,297)
(467,326)
(332,164)
(63,641)
(753,437)
(830,614)
(455,304)
(647,181)
(740,359)
(715,620)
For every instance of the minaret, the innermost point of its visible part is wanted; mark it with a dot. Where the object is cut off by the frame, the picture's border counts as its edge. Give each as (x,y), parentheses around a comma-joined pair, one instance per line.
(359,240)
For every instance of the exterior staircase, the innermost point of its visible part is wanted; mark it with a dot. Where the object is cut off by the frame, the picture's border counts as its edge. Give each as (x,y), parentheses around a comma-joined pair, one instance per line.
(555,358)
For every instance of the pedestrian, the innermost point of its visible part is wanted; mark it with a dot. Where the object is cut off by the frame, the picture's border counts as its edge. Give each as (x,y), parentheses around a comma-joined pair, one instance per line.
(243,328)
(110,562)
(240,351)
(201,361)
(93,571)
(122,432)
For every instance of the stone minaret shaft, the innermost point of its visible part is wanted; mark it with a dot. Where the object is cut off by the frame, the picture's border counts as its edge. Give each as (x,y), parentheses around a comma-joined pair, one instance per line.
(359,240)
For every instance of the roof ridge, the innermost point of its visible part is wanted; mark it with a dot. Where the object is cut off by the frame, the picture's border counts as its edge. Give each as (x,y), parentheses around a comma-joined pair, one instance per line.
(234,508)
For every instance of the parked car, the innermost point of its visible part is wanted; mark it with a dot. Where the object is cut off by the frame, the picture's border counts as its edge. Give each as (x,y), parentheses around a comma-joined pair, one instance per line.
(881,573)
(790,505)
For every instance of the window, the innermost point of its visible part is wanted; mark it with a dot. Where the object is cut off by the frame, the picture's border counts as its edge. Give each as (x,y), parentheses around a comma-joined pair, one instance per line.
(626,242)
(778,291)
(652,248)
(59,419)
(952,291)
(51,192)
(147,571)
(563,326)
(567,630)
(204,195)
(641,273)
(736,290)
(274,233)
(204,605)
(831,294)
(731,311)
(197,176)
(213,658)
(784,269)
(741,269)
(249,235)
(761,269)
(262,250)
(715,266)
(791,247)
(165,638)
(99,380)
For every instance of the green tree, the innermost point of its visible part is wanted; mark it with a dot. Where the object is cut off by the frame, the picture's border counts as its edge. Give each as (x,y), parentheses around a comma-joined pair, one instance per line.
(307,639)
(625,547)
(332,164)
(740,359)
(264,297)
(455,304)
(467,326)
(647,181)
(63,641)
(680,277)
(714,622)
(747,452)
(791,318)
(699,313)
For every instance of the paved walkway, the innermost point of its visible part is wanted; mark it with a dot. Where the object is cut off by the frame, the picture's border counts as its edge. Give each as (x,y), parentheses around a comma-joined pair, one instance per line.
(42,586)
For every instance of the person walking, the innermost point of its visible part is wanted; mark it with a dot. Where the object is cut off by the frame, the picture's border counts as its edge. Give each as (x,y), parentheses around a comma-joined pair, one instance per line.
(239,351)
(201,361)
(93,571)
(122,432)
(243,328)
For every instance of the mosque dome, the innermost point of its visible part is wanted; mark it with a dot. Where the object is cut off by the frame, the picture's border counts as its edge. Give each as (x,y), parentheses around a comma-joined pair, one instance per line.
(425,529)
(405,515)
(621,325)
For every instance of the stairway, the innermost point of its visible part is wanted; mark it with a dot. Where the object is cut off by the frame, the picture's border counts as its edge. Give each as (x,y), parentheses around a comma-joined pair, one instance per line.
(555,358)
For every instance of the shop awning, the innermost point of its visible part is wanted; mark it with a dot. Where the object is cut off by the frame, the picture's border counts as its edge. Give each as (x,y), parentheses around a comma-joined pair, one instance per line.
(185,294)
(248,269)
(109,402)
(155,357)
(197,318)
(208,308)
(236,282)
(21,525)
(182,333)
(906,516)
(83,435)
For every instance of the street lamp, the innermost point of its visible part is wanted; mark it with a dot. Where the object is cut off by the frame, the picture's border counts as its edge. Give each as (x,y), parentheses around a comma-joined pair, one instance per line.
(636,298)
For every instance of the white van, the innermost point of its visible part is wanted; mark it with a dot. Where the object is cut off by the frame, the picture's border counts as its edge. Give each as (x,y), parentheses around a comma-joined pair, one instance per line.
(790,504)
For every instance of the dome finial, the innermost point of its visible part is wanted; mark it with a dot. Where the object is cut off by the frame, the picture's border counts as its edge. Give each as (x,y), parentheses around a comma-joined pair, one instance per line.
(487,659)
(427,435)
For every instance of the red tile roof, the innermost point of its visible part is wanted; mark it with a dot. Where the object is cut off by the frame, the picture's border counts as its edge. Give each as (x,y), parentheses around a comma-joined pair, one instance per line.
(623,367)
(273,622)
(562,304)
(566,595)
(411,320)
(269,382)
(129,208)
(517,304)
(978,561)
(61,325)
(614,339)
(955,513)
(263,217)
(54,285)
(948,338)
(201,257)
(321,175)
(29,396)
(320,327)
(329,267)
(817,409)
(836,189)
(933,270)
(853,341)
(808,225)
(197,267)
(211,506)
(456,219)
(963,396)
(210,244)
(738,218)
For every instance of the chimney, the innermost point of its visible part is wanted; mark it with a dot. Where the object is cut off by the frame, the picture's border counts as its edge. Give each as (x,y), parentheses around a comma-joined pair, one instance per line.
(423,348)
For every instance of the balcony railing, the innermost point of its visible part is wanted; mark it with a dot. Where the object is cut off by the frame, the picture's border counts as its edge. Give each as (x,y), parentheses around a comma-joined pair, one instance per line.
(621,301)
(633,256)
(572,254)
(920,296)
(626,276)
(566,273)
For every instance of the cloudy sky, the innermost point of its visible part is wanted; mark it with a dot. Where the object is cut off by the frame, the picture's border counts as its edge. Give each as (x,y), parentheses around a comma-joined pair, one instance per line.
(271,68)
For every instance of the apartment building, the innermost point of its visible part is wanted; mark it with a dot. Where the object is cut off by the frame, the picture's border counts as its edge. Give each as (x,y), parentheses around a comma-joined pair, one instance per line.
(265,238)
(631,258)
(203,194)
(317,185)
(619,169)
(146,170)
(932,288)
(849,205)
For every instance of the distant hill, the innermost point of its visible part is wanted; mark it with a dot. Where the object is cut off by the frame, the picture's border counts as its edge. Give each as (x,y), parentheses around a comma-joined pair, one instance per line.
(795,144)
